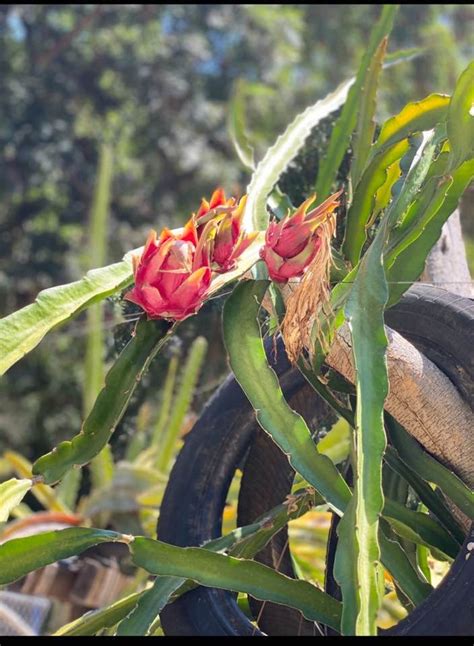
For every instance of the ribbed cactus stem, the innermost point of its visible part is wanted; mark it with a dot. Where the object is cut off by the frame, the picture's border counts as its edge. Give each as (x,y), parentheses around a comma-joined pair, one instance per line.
(139,439)
(166,402)
(102,466)
(182,401)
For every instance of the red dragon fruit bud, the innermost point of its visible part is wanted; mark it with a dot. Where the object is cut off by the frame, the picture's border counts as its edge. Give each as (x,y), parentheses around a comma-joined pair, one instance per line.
(291,244)
(217,204)
(229,238)
(173,274)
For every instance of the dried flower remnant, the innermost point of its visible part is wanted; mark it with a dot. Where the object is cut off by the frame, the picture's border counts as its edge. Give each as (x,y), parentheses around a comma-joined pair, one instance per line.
(309,297)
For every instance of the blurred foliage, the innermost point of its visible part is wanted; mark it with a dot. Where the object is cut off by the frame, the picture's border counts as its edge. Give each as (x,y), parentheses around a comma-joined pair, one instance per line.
(155,81)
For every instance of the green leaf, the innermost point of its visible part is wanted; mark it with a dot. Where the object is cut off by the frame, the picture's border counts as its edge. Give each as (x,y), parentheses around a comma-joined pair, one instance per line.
(243,542)
(47,496)
(437,201)
(22,555)
(95,620)
(236,125)
(149,606)
(391,146)
(384,193)
(248,540)
(429,468)
(337,443)
(345,569)
(12,493)
(312,378)
(414,180)
(23,330)
(412,582)
(362,208)
(414,117)
(422,553)
(365,128)
(341,134)
(419,528)
(109,406)
(282,152)
(239,575)
(271,523)
(431,499)
(365,315)
(248,361)
(461,118)
(394,485)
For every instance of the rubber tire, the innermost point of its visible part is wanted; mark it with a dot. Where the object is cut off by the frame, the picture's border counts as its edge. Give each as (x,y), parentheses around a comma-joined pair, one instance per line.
(226,436)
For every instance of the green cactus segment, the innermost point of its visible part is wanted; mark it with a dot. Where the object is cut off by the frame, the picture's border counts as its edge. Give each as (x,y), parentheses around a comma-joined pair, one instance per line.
(19,556)
(287,428)
(240,575)
(109,406)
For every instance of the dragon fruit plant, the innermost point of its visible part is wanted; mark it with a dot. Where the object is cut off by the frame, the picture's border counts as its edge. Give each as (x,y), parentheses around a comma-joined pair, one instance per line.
(174,272)
(281,261)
